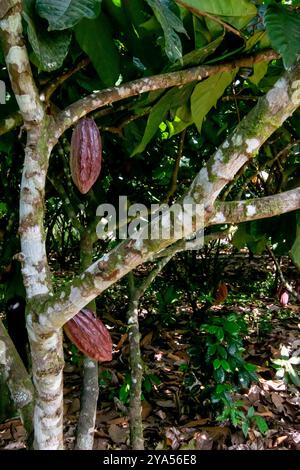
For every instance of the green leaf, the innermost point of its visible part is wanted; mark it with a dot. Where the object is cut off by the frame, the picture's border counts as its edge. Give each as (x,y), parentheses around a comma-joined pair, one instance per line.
(283,27)
(211,350)
(50,48)
(198,56)
(155,379)
(124,393)
(95,39)
(219,375)
(181,121)
(261,424)
(172,99)
(257,37)
(251,412)
(171,25)
(245,428)
(232,348)
(207,93)
(250,367)
(231,327)
(236,13)
(225,365)
(222,352)
(63,14)
(216,364)
(147,385)
(259,71)
(220,333)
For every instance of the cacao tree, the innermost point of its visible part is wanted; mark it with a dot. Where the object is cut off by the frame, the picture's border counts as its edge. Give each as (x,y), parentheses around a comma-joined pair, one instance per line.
(145,71)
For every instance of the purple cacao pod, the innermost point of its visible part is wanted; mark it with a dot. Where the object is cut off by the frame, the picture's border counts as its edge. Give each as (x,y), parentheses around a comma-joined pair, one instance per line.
(90,335)
(86,154)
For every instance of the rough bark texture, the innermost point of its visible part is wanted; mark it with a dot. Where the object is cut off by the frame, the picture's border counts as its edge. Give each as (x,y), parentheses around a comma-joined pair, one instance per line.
(46,347)
(90,386)
(136,371)
(136,362)
(111,95)
(235,212)
(15,375)
(48,312)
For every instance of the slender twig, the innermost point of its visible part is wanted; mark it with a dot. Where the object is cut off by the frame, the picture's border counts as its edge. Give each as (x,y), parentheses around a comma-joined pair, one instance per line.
(51,87)
(239,97)
(59,187)
(174,177)
(282,278)
(236,105)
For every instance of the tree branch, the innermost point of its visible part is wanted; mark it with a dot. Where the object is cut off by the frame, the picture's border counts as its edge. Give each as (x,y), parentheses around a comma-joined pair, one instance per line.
(51,87)
(18,65)
(235,212)
(96,100)
(243,144)
(17,379)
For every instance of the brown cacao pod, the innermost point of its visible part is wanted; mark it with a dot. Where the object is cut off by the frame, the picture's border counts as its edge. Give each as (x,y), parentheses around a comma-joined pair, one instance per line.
(90,335)
(86,154)
(221,293)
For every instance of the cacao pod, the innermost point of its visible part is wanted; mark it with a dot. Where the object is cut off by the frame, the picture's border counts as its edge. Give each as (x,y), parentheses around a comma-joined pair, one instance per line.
(90,335)
(283,295)
(284,298)
(221,293)
(86,154)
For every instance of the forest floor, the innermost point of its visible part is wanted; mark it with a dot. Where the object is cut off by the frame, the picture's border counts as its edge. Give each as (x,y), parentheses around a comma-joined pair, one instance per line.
(174,416)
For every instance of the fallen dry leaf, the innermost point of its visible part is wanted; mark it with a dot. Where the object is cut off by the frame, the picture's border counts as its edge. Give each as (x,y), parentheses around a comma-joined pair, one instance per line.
(118,434)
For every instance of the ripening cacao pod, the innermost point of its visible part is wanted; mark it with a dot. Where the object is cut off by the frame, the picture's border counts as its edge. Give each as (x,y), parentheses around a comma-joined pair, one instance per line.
(86,154)
(284,298)
(221,293)
(90,335)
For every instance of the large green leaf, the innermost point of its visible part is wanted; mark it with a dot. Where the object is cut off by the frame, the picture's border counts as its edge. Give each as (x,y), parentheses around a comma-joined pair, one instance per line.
(95,38)
(259,71)
(50,48)
(181,120)
(62,14)
(173,99)
(283,27)
(198,56)
(236,12)
(171,25)
(207,93)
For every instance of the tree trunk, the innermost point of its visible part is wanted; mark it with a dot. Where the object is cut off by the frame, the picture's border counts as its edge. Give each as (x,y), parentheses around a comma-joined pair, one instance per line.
(90,387)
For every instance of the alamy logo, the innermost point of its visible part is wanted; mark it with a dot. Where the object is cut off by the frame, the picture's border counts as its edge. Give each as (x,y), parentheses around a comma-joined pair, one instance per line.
(159,222)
